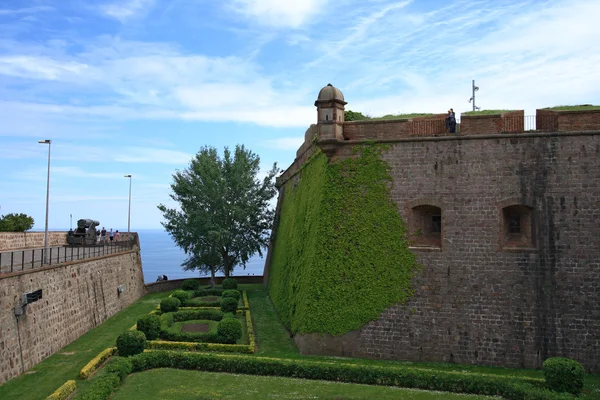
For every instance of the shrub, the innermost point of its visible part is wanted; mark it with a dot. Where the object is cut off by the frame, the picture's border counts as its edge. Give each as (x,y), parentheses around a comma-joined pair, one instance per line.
(229,283)
(96,362)
(64,391)
(190,284)
(119,366)
(186,315)
(131,343)
(228,315)
(182,295)
(208,292)
(230,329)
(229,305)
(564,375)
(232,293)
(150,325)
(170,304)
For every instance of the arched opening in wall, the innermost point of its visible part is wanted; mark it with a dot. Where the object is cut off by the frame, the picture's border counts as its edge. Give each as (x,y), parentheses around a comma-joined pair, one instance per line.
(426,226)
(326,117)
(516,227)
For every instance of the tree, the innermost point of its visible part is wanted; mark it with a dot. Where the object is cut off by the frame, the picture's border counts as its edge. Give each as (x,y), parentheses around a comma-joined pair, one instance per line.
(350,115)
(15,223)
(224,217)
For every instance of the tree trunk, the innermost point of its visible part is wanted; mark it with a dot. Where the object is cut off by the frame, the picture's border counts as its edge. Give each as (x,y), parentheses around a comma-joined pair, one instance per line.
(212,276)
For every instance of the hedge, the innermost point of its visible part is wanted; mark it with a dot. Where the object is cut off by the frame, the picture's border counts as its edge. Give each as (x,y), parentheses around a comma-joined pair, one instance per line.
(563,374)
(96,362)
(170,304)
(232,293)
(182,295)
(64,391)
(229,283)
(106,380)
(130,343)
(150,325)
(190,284)
(448,381)
(208,292)
(199,346)
(196,302)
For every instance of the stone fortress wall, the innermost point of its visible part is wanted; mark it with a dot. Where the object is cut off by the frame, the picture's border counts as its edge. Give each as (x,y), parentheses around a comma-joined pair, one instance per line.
(512,276)
(76,297)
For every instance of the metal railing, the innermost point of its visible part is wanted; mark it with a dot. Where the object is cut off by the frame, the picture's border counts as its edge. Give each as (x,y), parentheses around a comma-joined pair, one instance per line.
(529,123)
(21,260)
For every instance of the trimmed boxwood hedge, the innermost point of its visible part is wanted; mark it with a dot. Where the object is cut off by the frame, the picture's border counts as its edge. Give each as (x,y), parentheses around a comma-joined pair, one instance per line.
(150,325)
(170,304)
(130,343)
(564,374)
(230,329)
(106,380)
(409,377)
(208,292)
(232,293)
(196,302)
(182,295)
(167,320)
(190,284)
(229,283)
(229,305)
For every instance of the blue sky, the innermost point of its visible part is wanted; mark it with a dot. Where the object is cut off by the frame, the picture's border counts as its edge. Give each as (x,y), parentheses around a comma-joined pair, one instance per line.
(138,86)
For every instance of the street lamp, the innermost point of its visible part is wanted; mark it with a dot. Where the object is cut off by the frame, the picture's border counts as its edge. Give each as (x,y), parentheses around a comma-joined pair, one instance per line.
(49,143)
(129,211)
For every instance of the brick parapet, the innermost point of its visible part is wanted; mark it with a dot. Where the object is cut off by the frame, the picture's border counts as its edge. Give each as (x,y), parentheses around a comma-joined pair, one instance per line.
(164,286)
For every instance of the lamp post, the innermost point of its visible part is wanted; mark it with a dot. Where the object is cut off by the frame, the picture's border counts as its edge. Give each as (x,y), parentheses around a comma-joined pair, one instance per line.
(49,143)
(129,211)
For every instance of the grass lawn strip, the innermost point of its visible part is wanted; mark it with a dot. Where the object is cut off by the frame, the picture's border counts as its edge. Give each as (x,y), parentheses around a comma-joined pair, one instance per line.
(66,363)
(194,385)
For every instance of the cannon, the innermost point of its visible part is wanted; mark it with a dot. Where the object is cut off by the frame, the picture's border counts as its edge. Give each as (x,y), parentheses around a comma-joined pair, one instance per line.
(85,234)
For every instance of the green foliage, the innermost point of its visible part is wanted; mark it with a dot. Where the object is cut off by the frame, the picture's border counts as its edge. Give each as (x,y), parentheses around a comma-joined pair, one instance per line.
(486,112)
(186,315)
(168,319)
(230,329)
(229,284)
(106,380)
(581,107)
(232,293)
(199,302)
(182,295)
(341,254)
(224,217)
(15,223)
(507,387)
(228,315)
(190,284)
(229,305)
(564,375)
(131,343)
(350,115)
(170,304)
(120,366)
(208,292)
(150,325)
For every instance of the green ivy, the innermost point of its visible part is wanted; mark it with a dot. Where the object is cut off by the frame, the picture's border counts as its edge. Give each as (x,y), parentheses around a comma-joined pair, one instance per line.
(341,254)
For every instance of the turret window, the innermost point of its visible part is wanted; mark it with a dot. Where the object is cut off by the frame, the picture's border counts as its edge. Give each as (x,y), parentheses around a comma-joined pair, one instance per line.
(516,230)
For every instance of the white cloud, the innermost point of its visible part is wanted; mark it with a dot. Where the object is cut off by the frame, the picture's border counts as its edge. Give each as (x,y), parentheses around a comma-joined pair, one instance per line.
(280,13)
(285,143)
(149,155)
(39,67)
(27,10)
(124,10)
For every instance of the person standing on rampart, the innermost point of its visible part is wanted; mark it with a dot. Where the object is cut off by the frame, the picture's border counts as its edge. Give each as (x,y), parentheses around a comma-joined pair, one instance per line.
(111,235)
(103,235)
(451,121)
(117,235)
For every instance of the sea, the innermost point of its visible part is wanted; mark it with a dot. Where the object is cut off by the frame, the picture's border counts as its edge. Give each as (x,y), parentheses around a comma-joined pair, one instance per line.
(161,256)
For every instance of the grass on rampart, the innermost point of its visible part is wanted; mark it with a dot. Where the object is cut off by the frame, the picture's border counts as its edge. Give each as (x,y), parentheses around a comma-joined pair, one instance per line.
(581,107)
(486,112)
(401,116)
(43,379)
(196,385)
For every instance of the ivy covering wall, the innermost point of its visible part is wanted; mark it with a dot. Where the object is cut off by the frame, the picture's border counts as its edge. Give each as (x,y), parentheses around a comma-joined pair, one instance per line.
(340,256)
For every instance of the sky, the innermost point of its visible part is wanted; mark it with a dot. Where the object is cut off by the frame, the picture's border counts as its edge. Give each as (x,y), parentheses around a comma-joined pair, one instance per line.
(139,86)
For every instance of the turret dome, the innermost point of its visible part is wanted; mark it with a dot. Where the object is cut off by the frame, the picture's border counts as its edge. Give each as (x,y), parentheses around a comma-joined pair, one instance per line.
(330,93)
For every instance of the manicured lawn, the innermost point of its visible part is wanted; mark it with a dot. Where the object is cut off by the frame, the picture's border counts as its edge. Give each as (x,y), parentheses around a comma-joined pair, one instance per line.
(51,373)
(194,385)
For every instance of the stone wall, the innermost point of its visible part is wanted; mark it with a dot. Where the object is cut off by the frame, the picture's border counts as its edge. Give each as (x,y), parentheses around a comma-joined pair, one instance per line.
(77,296)
(25,240)
(477,300)
(164,286)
